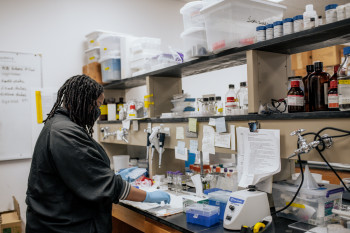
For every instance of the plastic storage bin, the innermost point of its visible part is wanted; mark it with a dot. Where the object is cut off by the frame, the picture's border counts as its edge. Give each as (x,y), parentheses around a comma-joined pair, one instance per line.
(219,198)
(191,15)
(145,45)
(92,38)
(313,206)
(92,55)
(195,41)
(201,214)
(110,69)
(109,45)
(232,23)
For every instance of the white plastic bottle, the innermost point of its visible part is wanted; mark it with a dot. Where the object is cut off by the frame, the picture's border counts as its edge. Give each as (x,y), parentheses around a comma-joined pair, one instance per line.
(231,104)
(308,15)
(242,96)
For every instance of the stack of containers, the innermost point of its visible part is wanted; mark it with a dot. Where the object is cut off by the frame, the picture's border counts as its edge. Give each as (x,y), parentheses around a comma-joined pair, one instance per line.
(194,35)
(233,23)
(219,198)
(110,57)
(142,50)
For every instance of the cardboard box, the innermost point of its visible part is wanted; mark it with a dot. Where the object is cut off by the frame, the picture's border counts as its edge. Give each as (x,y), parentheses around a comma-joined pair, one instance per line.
(10,221)
(93,70)
(301,60)
(330,56)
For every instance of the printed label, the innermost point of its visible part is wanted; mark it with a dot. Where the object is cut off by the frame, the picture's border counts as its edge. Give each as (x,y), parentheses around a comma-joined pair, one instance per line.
(230,99)
(328,206)
(333,101)
(104,110)
(344,93)
(219,45)
(301,206)
(236,200)
(344,82)
(296,100)
(91,58)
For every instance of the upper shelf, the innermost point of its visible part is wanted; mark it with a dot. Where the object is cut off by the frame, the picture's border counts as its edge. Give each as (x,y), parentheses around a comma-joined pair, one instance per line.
(319,37)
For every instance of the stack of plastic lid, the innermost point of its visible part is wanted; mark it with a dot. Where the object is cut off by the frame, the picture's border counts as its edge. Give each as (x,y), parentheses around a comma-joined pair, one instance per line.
(143,49)
(194,35)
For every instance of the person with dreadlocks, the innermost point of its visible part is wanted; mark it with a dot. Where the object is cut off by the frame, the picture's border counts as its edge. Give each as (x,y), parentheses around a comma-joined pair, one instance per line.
(71,187)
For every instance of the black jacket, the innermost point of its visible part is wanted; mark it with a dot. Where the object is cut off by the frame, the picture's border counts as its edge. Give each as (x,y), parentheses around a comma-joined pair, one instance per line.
(71,187)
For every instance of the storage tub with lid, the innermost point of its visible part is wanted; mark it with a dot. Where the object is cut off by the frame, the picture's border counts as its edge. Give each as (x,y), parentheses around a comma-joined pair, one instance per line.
(110,69)
(191,14)
(92,55)
(232,23)
(201,214)
(195,42)
(145,45)
(109,45)
(313,206)
(92,38)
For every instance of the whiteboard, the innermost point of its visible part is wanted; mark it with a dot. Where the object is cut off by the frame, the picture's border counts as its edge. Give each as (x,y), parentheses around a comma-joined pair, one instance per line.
(19,74)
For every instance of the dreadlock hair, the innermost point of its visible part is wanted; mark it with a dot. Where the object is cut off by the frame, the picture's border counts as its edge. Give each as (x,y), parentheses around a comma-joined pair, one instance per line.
(78,95)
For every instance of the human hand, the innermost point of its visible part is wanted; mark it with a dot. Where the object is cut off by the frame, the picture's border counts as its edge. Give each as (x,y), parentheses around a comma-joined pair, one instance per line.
(157,196)
(124,172)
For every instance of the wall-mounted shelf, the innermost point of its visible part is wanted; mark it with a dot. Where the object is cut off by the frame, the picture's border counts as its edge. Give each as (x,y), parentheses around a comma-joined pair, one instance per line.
(320,37)
(249,117)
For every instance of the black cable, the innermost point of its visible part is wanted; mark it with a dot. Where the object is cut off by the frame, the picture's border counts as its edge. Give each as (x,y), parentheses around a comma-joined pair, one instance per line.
(297,192)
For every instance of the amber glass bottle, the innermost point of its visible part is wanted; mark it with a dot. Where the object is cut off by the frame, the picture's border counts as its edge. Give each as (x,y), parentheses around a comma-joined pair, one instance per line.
(335,75)
(295,98)
(318,89)
(310,69)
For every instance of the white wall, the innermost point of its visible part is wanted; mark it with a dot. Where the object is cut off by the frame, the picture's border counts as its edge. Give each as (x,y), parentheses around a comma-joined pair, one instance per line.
(57,30)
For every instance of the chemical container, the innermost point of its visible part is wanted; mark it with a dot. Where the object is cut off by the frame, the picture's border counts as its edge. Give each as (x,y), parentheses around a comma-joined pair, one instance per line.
(145,45)
(92,55)
(191,15)
(92,38)
(232,23)
(195,41)
(201,214)
(313,206)
(219,198)
(109,45)
(110,69)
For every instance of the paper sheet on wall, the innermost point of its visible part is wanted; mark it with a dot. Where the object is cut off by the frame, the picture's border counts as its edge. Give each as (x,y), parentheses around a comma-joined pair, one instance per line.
(193,146)
(220,125)
(181,153)
(135,125)
(222,140)
(126,124)
(180,133)
(233,137)
(261,152)
(208,140)
(211,122)
(192,124)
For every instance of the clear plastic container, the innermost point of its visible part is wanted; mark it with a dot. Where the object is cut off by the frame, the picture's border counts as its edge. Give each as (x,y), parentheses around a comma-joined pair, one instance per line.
(145,45)
(110,68)
(310,17)
(201,214)
(191,15)
(233,23)
(109,45)
(344,82)
(219,198)
(92,38)
(92,55)
(195,41)
(331,13)
(313,206)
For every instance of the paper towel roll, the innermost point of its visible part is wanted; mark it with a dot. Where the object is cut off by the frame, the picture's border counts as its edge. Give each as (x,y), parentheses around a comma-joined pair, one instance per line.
(120,162)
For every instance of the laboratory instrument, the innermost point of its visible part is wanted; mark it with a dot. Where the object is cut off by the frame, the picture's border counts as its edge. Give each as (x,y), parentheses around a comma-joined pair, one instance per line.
(157,139)
(148,131)
(344,82)
(246,207)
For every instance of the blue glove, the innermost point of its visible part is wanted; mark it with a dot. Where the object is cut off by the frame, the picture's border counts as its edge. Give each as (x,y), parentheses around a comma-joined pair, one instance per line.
(157,196)
(124,172)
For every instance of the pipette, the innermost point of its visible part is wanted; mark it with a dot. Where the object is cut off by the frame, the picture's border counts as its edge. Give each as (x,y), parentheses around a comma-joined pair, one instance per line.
(161,146)
(148,145)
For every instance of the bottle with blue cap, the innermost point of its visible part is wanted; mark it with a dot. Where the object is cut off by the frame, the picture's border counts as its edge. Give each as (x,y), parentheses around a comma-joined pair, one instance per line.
(260,33)
(287,26)
(344,82)
(331,13)
(298,23)
(269,31)
(277,29)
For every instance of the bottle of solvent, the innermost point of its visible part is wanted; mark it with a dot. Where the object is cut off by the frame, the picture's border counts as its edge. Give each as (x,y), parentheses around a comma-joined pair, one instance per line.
(277,29)
(269,31)
(260,33)
(331,13)
(298,24)
(287,26)
(310,17)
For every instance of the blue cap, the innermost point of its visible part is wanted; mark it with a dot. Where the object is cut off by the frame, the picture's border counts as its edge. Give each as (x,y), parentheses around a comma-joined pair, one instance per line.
(287,20)
(298,17)
(260,28)
(278,23)
(269,26)
(346,50)
(331,6)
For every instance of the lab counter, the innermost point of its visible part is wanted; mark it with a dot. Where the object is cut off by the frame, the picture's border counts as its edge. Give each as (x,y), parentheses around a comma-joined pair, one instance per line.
(127,218)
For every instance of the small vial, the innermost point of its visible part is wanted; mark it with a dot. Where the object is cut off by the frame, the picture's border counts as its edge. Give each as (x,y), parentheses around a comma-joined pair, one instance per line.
(287,26)
(298,24)
(260,33)
(269,31)
(341,12)
(331,13)
(277,29)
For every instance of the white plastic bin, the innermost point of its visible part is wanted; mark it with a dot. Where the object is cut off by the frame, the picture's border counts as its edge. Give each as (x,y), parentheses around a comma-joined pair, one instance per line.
(145,45)
(92,38)
(232,23)
(109,45)
(191,14)
(195,42)
(110,69)
(120,162)
(92,55)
